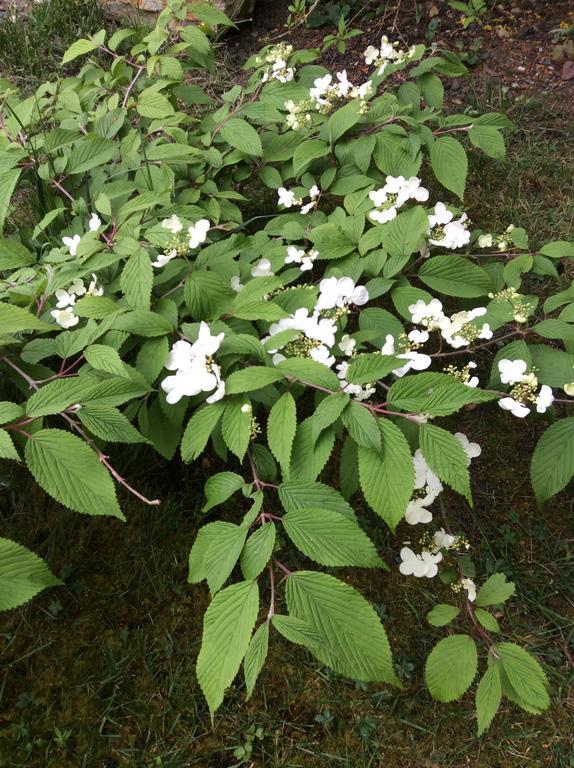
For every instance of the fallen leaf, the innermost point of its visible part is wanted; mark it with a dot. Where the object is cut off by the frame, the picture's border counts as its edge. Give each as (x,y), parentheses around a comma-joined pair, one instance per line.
(568,70)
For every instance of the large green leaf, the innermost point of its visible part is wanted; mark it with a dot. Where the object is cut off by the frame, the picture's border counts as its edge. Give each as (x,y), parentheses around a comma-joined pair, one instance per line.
(488,697)
(255,657)
(281,428)
(257,551)
(227,628)
(329,538)
(435,393)
(455,276)
(22,575)
(446,457)
(525,675)
(14,319)
(451,667)
(70,471)
(242,136)
(552,465)
(387,475)
(449,164)
(353,641)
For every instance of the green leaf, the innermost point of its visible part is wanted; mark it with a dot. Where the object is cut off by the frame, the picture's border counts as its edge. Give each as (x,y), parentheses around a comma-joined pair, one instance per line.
(525,675)
(435,393)
(7,449)
(206,535)
(369,368)
(451,667)
(310,454)
(281,428)
(14,319)
(559,249)
(489,139)
(227,628)
(353,641)
(495,590)
(9,411)
(236,426)
(488,697)
(306,152)
(221,487)
(329,538)
(199,429)
(296,630)
(142,323)
(442,614)
(327,412)
(257,551)
(89,153)
(552,464)
(22,575)
(255,657)
(153,104)
(14,255)
(104,358)
(455,276)
(79,48)
(309,372)
(108,423)
(343,119)
(242,136)
(487,620)
(446,457)
(137,279)
(70,471)
(387,475)
(8,181)
(250,379)
(403,236)
(206,295)
(222,555)
(449,164)
(361,425)
(554,367)
(296,495)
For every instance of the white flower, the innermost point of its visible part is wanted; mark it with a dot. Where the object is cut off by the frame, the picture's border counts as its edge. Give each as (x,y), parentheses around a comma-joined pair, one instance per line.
(517,409)
(347,345)
(65,317)
(544,399)
(246,408)
(206,344)
(371,55)
(421,565)
(441,216)
(173,224)
(470,587)
(286,197)
(294,255)
(424,476)
(389,345)
(443,540)
(415,361)
(418,337)
(343,86)
(339,292)
(195,371)
(307,207)
(64,298)
(164,258)
(416,512)
(512,371)
(94,223)
(94,289)
(235,283)
(198,233)
(485,241)
(314,192)
(322,354)
(319,89)
(472,450)
(72,244)
(383,216)
(430,315)
(262,268)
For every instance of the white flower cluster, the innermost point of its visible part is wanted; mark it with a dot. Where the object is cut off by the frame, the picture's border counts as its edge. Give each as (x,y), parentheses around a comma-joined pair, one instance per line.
(458,330)
(445,230)
(522,306)
(72,243)
(326,92)
(387,53)
(287,199)
(196,235)
(500,241)
(195,370)
(524,393)
(396,192)
(303,258)
(64,313)
(317,329)
(414,360)
(277,57)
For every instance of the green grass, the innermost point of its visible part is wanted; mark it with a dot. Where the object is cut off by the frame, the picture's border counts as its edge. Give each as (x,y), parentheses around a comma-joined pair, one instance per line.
(101,672)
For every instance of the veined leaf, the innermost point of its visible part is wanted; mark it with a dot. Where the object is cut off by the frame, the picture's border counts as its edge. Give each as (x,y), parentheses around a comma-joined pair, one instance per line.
(22,575)
(451,667)
(281,428)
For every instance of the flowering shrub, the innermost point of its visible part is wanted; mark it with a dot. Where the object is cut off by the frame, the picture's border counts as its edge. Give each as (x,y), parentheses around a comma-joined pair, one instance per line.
(139,306)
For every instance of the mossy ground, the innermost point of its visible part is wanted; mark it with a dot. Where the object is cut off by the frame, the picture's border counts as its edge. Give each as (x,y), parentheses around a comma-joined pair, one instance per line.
(100,673)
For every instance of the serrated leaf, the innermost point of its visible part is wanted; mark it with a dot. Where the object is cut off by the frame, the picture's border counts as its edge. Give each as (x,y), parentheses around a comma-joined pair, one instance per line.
(449,164)
(251,379)
(361,425)
(255,657)
(7,449)
(488,697)
(525,675)
(369,368)
(496,589)
(222,555)
(22,575)
(104,358)
(221,487)
(446,457)
(9,411)
(242,136)
(296,630)
(387,475)
(296,495)
(205,537)
(281,428)
(329,538)
(257,551)
(552,464)
(107,423)
(327,412)
(442,614)
(199,429)
(137,279)
(309,455)
(227,628)
(79,48)
(487,620)
(14,319)
(353,640)
(236,427)
(451,667)
(435,393)
(70,471)
(310,372)
(455,276)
